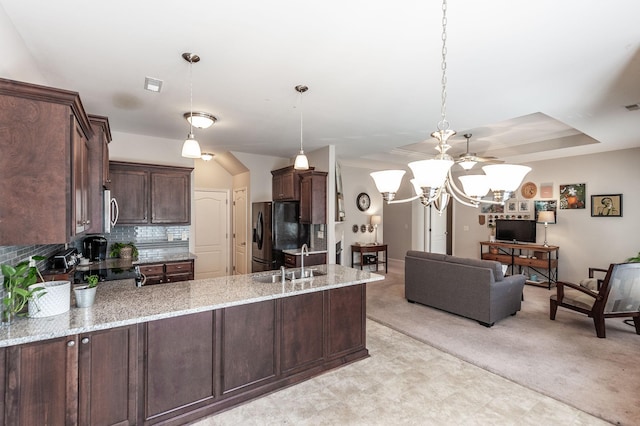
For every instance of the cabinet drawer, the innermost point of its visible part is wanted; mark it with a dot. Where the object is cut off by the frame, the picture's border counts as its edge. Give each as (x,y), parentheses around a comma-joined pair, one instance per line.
(179,268)
(174,278)
(290,260)
(150,270)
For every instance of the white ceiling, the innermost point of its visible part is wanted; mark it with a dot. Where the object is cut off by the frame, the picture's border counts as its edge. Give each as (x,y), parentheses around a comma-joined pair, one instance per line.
(530,80)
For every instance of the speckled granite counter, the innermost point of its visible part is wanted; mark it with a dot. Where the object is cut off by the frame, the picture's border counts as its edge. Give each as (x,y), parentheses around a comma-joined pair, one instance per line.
(120,303)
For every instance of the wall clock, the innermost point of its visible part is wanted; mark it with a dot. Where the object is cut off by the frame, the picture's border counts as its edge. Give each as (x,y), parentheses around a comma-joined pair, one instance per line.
(529,190)
(363,201)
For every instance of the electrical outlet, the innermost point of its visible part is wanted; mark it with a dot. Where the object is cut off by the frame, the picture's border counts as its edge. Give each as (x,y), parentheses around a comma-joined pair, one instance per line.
(320,234)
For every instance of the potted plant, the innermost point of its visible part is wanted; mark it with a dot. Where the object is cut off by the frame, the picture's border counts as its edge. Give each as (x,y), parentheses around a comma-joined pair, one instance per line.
(124,250)
(635,259)
(86,294)
(18,287)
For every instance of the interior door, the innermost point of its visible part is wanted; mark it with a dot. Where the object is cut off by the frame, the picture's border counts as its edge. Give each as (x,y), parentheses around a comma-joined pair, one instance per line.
(211,233)
(240,225)
(437,229)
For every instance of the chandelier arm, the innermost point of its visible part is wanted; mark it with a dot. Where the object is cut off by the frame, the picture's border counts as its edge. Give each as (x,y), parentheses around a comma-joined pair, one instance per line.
(406,200)
(455,190)
(459,196)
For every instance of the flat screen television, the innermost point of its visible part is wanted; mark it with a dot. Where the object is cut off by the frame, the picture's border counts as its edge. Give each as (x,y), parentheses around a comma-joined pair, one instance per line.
(519,231)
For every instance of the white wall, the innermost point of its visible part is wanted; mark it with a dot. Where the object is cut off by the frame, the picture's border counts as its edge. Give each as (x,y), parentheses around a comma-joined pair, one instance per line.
(584,241)
(147,149)
(354,181)
(260,167)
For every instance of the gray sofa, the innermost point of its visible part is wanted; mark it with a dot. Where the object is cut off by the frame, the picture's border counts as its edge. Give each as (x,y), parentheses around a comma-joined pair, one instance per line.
(472,288)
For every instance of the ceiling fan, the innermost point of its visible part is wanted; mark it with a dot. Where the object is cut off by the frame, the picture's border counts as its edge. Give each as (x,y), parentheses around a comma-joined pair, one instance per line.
(469,159)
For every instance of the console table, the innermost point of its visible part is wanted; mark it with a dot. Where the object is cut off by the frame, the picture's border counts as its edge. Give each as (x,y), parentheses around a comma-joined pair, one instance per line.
(535,258)
(369,248)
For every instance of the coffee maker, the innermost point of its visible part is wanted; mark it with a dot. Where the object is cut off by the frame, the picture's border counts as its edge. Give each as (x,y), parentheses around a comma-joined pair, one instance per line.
(94,247)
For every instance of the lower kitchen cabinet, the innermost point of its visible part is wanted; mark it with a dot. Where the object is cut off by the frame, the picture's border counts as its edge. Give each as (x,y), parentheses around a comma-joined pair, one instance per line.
(160,273)
(86,379)
(178,372)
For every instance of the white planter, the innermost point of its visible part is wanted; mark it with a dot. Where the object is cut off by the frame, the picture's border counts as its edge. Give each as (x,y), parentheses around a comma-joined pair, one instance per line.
(85,296)
(55,300)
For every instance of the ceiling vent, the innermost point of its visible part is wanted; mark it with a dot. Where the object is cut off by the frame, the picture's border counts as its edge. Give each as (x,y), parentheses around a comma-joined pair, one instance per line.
(152,84)
(633,107)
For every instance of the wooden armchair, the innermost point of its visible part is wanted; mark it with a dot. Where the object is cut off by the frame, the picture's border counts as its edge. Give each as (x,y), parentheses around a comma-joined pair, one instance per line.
(618,296)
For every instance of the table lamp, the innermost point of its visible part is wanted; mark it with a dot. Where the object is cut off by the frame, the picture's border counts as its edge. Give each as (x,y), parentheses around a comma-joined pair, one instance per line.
(375,221)
(546,217)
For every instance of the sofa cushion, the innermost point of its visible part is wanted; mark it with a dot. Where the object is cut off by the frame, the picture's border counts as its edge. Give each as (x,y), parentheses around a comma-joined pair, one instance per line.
(490,264)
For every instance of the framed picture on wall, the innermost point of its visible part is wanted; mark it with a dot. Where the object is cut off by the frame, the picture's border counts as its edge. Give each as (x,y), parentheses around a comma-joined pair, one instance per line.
(606,205)
(511,206)
(542,206)
(524,206)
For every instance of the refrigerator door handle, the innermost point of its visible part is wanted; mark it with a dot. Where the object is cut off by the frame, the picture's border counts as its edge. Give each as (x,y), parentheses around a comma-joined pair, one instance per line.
(260,230)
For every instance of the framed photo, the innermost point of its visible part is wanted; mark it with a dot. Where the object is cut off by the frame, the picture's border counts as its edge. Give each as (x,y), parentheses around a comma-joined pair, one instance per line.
(524,206)
(542,206)
(546,190)
(606,205)
(572,196)
(511,206)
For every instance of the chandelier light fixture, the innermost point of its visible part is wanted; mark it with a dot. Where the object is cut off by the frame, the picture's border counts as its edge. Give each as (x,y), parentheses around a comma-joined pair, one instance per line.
(433,182)
(301,162)
(207,156)
(191,147)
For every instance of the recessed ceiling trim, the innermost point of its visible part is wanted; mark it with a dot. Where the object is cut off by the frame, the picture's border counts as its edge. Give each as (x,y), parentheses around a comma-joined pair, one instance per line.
(152,84)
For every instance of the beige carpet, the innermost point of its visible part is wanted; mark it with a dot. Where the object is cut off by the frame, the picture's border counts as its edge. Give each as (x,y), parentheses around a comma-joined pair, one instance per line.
(562,359)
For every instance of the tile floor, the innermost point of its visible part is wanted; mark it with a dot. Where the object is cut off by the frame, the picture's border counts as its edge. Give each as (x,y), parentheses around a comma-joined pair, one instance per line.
(404,382)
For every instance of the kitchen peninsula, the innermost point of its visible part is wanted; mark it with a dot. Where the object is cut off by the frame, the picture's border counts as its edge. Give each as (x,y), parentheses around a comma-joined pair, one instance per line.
(169,354)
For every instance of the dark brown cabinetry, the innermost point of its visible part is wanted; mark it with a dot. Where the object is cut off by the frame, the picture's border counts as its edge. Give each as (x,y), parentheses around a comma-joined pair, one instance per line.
(295,261)
(44,133)
(179,367)
(286,184)
(149,194)
(98,170)
(313,197)
(82,379)
(159,273)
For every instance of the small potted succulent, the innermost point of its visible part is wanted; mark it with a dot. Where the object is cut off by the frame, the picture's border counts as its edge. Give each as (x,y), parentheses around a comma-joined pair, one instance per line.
(86,294)
(124,250)
(635,259)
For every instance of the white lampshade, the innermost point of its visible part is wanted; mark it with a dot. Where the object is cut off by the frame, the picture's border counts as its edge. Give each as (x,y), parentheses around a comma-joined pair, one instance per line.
(430,173)
(546,217)
(376,219)
(191,147)
(475,185)
(388,180)
(301,163)
(505,177)
(416,187)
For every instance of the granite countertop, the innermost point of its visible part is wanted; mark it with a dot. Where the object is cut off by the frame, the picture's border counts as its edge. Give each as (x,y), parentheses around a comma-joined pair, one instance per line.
(121,303)
(298,252)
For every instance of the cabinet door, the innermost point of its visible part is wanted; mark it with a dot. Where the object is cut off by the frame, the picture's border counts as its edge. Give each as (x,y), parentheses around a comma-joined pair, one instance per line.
(171,197)
(178,375)
(313,198)
(302,331)
(248,346)
(107,377)
(285,184)
(130,187)
(43,385)
(346,319)
(80,179)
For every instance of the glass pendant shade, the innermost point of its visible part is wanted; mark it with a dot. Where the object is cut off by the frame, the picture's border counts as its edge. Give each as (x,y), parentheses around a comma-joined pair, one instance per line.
(388,180)
(191,147)
(430,173)
(467,164)
(505,177)
(301,162)
(475,185)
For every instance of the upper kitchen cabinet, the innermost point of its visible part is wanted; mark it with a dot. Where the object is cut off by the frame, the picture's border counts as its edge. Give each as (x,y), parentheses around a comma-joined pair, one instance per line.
(286,184)
(98,170)
(151,195)
(313,197)
(44,169)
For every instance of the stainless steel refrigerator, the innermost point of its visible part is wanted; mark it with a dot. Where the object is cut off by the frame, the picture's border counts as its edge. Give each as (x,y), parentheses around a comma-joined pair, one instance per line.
(276,227)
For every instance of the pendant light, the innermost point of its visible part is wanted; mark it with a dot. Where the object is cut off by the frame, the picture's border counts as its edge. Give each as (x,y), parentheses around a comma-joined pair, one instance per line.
(301,163)
(191,147)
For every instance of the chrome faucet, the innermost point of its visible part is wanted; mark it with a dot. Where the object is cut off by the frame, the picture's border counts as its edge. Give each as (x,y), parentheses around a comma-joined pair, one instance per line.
(282,275)
(302,252)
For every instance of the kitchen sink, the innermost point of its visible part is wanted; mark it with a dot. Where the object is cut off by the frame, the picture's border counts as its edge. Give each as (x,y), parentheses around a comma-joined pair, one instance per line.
(289,276)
